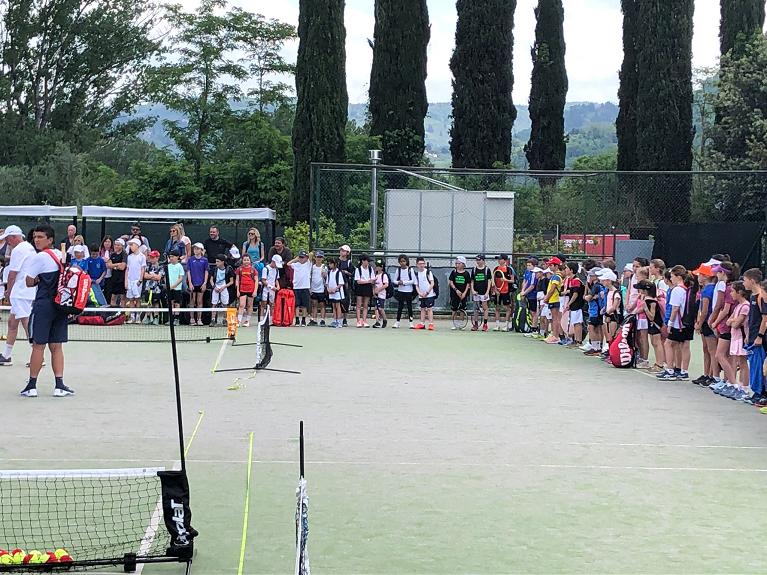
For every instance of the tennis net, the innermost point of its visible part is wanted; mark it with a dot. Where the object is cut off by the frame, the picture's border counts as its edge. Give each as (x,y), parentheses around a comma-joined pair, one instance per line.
(143,324)
(99,516)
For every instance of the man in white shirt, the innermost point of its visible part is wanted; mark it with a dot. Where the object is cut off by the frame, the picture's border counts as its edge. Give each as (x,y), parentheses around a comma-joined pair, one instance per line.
(302,271)
(18,293)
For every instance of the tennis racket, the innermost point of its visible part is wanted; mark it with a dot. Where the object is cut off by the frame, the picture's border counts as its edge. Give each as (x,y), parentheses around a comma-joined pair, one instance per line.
(499,278)
(460,319)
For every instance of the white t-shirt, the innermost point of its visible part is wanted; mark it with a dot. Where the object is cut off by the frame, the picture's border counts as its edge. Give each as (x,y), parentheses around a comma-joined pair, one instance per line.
(42,263)
(270,275)
(20,259)
(301,273)
(336,279)
(408,280)
(364,274)
(133,269)
(678,299)
(319,273)
(382,280)
(422,280)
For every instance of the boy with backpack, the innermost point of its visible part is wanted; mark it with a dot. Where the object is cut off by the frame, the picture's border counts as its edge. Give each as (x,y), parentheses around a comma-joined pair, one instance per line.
(683,311)
(382,290)
(336,287)
(318,295)
(405,292)
(425,284)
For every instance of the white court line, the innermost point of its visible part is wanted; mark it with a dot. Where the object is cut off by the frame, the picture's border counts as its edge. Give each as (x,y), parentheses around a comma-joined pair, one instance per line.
(151,530)
(220,355)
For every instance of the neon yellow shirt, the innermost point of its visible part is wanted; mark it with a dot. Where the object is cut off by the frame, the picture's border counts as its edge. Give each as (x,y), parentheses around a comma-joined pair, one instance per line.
(555,284)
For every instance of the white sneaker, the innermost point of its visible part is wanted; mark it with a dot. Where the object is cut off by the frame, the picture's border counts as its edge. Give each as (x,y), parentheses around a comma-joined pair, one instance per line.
(29,392)
(497,328)
(63,391)
(453,328)
(585,347)
(395,325)
(411,326)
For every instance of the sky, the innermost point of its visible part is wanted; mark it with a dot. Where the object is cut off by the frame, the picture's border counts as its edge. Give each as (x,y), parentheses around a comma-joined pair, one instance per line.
(592,35)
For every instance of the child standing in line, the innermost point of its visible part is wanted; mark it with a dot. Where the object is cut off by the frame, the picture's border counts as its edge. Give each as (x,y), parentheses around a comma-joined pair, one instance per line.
(641,274)
(335,286)
(425,288)
(725,272)
(503,277)
(460,286)
(117,263)
(405,290)
(302,273)
(134,278)
(756,345)
(364,278)
(647,304)
(738,322)
(529,293)
(152,291)
(574,306)
(480,289)
(78,257)
(552,299)
(708,337)
(379,291)
(544,313)
(682,298)
(596,311)
(319,295)
(197,280)
(613,304)
(270,282)
(246,287)
(175,279)
(96,267)
(220,282)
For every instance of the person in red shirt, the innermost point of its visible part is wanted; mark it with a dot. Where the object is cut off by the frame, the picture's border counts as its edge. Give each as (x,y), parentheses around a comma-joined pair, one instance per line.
(573,310)
(503,278)
(246,288)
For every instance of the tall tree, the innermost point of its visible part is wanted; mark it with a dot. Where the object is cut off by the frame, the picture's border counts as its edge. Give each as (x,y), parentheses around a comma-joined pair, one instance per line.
(483,111)
(398,102)
(547,148)
(627,92)
(322,100)
(664,130)
(740,19)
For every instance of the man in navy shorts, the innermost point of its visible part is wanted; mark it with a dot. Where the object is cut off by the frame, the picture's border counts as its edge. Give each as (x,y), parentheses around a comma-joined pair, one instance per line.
(47,325)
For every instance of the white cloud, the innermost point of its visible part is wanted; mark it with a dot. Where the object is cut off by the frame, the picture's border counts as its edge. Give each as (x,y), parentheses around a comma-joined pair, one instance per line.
(592,34)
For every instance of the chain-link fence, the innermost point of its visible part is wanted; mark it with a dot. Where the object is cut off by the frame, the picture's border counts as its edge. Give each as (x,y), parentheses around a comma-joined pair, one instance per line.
(447,212)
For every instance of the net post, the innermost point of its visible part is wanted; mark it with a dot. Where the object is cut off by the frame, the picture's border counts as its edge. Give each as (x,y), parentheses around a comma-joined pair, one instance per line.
(301,447)
(171,325)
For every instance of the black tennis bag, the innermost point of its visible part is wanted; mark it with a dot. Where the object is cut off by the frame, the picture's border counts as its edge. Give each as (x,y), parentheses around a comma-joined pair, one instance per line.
(523,319)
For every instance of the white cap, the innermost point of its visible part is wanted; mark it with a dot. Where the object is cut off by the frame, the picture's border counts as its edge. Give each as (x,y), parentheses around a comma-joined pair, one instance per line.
(79,250)
(277,259)
(608,274)
(11,231)
(712,262)
(135,241)
(548,271)
(536,270)
(346,248)
(120,241)
(234,252)
(628,268)
(198,245)
(143,249)
(461,260)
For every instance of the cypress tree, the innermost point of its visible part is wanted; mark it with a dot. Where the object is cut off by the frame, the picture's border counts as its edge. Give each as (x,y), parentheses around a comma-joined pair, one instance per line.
(546,148)
(739,18)
(625,124)
(483,111)
(319,128)
(398,102)
(664,129)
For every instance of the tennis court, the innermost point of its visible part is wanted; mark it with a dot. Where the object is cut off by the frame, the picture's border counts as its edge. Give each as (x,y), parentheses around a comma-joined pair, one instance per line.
(426,452)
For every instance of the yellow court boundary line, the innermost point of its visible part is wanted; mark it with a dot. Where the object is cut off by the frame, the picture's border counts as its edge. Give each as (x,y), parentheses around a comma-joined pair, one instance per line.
(220,355)
(194,432)
(244,539)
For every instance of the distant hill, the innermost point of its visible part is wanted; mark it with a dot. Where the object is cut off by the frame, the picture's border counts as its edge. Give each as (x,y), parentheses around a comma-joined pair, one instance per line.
(590,128)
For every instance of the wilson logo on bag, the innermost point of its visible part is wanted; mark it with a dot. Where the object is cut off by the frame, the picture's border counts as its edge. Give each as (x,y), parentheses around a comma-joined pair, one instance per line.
(74,288)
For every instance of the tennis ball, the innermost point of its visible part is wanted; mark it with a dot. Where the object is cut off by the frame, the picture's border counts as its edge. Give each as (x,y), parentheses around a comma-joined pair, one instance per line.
(65,559)
(52,557)
(60,552)
(18,556)
(6,559)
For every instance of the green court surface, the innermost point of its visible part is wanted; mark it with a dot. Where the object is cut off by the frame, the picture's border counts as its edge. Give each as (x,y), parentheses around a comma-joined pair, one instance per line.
(437,452)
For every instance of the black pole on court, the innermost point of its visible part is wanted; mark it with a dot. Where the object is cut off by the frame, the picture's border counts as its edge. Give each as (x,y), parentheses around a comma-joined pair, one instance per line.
(179,416)
(301,446)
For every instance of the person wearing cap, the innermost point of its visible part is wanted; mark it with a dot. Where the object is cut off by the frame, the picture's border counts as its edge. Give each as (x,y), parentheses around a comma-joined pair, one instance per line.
(552,299)
(79,257)
(503,282)
(197,275)
(118,260)
(707,283)
(270,282)
(152,290)
(135,267)
(346,267)
(459,282)
(380,287)
(318,289)
(480,289)
(613,303)
(302,279)
(595,297)
(48,327)
(404,290)
(17,292)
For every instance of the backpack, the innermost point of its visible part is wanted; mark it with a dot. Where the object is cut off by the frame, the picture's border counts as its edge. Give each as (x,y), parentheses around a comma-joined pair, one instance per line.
(74,289)
(284,308)
(389,287)
(522,320)
(435,289)
(623,349)
(690,314)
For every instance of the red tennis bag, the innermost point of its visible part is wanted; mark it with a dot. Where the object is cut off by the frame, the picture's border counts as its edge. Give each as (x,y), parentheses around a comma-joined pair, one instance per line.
(623,347)
(284,308)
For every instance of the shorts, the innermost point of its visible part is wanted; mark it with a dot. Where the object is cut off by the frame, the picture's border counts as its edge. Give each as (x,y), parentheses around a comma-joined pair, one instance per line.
(21,307)
(427,302)
(246,294)
(302,297)
(596,320)
(727,336)
(680,335)
(220,298)
(363,290)
(545,311)
(197,289)
(706,331)
(46,325)
(642,323)
(133,291)
(502,299)
(380,303)
(456,303)
(653,329)
(267,295)
(176,296)
(117,288)
(553,305)
(576,316)
(480,297)
(321,297)
(532,305)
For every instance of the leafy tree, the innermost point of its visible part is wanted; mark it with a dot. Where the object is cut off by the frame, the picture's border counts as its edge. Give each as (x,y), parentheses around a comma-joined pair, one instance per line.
(483,111)
(664,130)
(546,148)
(398,102)
(627,92)
(322,100)
(740,20)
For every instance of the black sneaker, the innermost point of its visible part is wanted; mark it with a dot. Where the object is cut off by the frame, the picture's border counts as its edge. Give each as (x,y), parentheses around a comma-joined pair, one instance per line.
(345,324)
(303,322)
(384,323)
(753,400)
(322,323)
(700,380)
(5,361)
(761,402)
(682,376)
(313,323)
(62,391)
(667,376)
(707,381)
(298,321)
(376,325)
